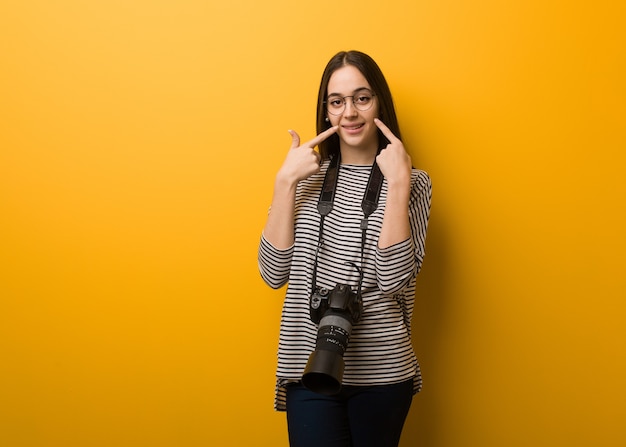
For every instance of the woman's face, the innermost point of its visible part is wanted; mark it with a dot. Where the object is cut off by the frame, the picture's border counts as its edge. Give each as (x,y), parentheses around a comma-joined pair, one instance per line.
(357,129)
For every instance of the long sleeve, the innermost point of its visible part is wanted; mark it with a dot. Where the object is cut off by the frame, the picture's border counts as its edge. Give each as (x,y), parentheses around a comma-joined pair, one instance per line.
(397,265)
(274,264)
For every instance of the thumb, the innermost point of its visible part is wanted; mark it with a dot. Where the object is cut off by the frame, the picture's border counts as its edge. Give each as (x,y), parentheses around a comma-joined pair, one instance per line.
(295,139)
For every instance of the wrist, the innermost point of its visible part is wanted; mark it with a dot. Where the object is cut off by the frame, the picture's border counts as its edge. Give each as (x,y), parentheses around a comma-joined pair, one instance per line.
(400,188)
(285,181)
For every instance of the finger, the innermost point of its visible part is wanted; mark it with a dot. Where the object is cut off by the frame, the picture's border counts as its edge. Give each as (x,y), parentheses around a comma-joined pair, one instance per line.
(385,130)
(295,139)
(322,136)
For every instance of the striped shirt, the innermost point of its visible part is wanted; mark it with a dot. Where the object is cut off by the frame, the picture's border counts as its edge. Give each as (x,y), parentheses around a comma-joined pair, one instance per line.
(379,350)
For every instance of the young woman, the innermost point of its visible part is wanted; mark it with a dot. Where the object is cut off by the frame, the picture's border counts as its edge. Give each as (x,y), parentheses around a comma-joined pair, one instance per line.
(377,257)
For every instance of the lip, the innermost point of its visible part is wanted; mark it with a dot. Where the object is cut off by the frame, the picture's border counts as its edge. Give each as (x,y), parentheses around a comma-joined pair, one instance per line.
(353,129)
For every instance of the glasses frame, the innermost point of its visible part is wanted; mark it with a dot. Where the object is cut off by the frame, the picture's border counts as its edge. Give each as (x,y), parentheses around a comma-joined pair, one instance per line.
(343,98)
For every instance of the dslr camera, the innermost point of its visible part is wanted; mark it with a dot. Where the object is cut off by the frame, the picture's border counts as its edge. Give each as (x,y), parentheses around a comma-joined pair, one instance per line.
(336,311)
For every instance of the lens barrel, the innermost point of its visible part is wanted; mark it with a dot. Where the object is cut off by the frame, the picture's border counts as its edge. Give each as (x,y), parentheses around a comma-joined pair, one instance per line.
(324,370)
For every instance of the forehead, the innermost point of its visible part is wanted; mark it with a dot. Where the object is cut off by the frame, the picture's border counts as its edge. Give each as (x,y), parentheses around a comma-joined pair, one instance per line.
(346,80)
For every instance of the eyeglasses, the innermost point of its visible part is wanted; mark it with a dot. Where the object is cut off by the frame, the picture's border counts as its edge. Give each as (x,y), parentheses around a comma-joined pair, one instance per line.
(363,100)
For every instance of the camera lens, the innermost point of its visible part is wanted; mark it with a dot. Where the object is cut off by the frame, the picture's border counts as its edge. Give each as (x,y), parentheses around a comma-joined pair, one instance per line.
(333,334)
(324,370)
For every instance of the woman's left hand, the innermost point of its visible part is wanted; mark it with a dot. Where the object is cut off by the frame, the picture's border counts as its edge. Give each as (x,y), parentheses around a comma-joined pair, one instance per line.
(393,160)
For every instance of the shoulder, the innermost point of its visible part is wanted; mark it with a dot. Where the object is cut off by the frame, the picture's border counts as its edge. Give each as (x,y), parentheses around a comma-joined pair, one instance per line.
(420,180)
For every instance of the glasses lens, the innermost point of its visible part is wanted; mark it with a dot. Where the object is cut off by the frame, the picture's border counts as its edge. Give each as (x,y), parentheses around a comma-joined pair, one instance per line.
(335,105)
(363,101)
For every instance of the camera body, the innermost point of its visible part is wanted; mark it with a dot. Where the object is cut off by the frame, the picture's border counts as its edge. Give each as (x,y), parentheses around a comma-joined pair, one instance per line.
(342,299)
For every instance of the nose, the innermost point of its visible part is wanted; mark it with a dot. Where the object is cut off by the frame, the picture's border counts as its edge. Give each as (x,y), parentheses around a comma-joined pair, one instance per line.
(350,108)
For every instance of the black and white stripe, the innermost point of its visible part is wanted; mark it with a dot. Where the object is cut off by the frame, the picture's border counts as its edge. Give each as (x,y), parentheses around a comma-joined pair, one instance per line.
(380,349)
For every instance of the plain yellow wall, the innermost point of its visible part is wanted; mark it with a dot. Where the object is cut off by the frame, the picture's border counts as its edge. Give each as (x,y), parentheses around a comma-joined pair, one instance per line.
(138,144)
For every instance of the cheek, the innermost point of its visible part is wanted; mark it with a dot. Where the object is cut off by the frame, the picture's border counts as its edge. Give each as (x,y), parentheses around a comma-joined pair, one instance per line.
(371,114)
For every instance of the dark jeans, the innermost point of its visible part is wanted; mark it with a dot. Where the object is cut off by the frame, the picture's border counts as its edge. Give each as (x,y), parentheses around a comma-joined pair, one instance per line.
(359,416)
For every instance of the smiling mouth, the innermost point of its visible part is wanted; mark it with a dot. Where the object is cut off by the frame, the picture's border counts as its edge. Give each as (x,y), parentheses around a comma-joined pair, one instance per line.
(358,126)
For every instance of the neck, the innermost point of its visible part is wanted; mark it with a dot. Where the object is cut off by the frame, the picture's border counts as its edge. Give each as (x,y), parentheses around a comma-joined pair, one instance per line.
(358,156)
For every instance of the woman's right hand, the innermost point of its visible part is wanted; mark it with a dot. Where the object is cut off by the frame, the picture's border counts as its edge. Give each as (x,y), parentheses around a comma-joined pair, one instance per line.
(302,161)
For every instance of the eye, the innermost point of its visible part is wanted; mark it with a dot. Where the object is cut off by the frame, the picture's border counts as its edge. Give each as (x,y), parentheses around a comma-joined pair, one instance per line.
(335,102)
(363,99)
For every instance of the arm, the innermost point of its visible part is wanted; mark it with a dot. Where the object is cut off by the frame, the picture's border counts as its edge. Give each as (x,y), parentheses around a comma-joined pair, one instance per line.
(302,161)
(276,247)
(279,227)
(401,242)
(398,264)
(395,164)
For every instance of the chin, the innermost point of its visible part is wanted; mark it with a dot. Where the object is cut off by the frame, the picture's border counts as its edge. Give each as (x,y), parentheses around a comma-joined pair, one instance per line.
(364,139)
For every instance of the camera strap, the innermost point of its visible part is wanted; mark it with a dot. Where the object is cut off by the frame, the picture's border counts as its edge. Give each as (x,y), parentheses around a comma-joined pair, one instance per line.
(368,204)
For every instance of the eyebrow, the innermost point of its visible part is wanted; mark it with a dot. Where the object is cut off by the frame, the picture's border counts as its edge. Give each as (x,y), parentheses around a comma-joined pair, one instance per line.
(354,92)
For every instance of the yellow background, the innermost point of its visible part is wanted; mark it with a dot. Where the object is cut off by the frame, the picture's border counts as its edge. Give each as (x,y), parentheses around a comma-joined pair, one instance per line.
(138,144)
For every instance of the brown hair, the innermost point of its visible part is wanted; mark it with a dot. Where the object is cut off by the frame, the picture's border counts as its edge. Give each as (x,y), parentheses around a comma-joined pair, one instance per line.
(374,76)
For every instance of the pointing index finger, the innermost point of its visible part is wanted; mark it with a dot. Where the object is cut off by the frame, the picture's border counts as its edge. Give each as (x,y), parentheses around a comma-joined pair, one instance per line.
(385,130)
(322,136)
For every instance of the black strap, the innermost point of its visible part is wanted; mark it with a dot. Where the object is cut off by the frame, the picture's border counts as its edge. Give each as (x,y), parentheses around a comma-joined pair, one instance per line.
(327,195)
(325,206)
